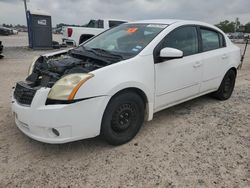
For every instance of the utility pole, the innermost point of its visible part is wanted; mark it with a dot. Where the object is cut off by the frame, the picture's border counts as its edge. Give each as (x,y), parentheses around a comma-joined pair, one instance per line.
(25,9)
(237,24)
(27,19)
(25,6)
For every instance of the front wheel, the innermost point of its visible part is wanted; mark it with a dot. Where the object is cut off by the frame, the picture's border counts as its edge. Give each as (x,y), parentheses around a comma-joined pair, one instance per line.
(227,86)
(122,118)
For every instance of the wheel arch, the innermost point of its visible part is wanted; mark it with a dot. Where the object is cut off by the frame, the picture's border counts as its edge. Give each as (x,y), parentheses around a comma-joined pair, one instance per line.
(231,68)
(135,90)
(143,94)
(234,69)
(86,37)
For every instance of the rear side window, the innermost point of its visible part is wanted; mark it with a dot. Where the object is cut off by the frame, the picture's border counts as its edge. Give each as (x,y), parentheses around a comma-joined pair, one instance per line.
(211,40)
(115,23)
(184,39)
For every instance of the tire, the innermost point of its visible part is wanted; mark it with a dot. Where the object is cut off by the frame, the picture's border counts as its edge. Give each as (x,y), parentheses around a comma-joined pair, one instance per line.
(122,118)
(227,86)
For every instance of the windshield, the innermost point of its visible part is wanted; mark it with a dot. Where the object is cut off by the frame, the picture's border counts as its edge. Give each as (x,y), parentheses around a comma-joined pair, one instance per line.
(126,39)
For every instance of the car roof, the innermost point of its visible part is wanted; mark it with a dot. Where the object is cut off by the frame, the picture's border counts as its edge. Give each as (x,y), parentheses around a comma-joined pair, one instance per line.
(158,21)
(111,19)
(174,21)
(171,21)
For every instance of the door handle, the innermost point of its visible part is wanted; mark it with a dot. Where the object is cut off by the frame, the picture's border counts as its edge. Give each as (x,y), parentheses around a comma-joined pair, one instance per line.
(224,56)
(197,64)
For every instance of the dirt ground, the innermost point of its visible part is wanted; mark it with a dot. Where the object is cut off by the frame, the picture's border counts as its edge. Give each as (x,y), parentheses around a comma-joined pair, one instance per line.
(21,39)
(201,143)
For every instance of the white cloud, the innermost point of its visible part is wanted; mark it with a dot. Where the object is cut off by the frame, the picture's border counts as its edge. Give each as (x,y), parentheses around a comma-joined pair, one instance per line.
(80,11)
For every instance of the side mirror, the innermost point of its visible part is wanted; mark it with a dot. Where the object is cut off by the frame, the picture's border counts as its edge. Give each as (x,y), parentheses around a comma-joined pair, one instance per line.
(171,53)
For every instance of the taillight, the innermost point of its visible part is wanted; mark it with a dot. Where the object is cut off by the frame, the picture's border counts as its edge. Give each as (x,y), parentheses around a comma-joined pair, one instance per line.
(70,31)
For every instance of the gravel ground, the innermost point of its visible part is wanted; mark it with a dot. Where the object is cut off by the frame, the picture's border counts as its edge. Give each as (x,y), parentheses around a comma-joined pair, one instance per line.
(21,39)
(200,143)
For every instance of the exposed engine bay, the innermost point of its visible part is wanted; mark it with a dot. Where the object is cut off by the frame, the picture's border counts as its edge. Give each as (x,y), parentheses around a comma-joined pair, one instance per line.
(48,69)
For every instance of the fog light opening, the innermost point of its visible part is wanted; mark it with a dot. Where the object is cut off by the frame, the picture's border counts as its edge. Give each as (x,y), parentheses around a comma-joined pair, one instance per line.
(55,131)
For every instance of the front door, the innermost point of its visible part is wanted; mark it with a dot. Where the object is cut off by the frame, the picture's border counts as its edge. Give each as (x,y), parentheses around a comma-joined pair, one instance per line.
(178,79)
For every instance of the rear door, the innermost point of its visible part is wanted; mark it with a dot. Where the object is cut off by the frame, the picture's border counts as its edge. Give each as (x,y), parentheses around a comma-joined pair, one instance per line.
(214,60)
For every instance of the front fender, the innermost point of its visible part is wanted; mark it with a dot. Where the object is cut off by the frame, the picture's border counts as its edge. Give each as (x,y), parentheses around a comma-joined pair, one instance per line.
(131,84)
(149,95)
(133,73)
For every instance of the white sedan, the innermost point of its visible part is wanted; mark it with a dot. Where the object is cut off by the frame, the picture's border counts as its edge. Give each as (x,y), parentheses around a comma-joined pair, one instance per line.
(110,84)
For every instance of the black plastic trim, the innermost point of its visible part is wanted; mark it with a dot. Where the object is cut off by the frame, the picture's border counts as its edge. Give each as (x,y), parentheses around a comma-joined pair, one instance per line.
(156,51)
(158,47)
(55,102)
(223,45)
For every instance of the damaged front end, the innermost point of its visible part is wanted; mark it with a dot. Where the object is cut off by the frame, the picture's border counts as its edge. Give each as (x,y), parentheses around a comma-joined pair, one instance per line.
(50,69)
(47,70)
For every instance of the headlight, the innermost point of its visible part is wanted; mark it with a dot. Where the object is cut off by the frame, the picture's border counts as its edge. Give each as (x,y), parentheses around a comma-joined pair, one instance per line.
(31,67)
(66,87)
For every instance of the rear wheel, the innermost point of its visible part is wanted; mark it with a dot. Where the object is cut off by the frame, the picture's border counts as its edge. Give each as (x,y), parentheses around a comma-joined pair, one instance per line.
(122,118)
(227,86)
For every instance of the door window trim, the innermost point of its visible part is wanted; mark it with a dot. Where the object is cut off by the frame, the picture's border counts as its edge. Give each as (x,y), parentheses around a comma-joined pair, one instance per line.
(221,45)
(158,47)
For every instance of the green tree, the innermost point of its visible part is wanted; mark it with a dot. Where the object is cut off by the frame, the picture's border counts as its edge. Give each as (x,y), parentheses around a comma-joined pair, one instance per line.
(247,27)
(227,26)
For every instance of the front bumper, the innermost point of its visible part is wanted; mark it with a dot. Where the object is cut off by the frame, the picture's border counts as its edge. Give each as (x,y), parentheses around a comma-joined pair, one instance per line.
(74,121)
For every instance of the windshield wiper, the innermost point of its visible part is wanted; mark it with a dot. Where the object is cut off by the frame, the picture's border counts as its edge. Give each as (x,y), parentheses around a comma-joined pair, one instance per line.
(97,53)
(89,50)
(106,53)
(87,54)
(102,52)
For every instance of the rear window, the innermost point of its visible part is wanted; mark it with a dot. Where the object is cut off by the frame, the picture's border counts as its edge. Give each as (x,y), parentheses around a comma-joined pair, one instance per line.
(114,23)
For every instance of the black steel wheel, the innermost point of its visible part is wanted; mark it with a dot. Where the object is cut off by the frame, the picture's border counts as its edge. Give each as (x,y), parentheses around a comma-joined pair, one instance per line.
(122,118)
(227,86)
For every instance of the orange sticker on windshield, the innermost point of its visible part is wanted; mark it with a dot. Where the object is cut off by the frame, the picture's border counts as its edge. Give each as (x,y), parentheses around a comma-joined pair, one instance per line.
(132,29)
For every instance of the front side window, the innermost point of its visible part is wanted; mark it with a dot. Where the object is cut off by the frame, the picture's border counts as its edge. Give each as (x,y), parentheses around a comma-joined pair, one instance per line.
(184,39)
(126,38)
(210,40)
